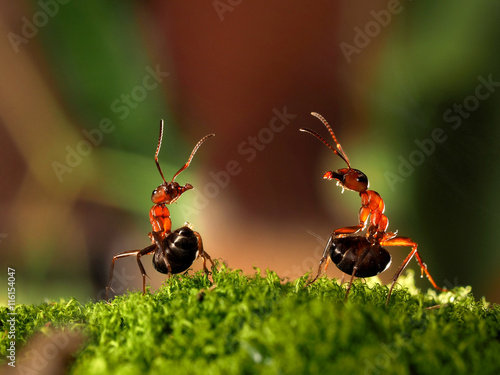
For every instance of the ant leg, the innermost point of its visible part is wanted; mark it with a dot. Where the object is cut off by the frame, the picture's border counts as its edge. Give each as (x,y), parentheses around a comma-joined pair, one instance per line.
(350,284)
(404,241)
(364,212)
(355,268)
(137,254)
(327,259)
(342,232)
(203,254)
(144,251)
(324,258)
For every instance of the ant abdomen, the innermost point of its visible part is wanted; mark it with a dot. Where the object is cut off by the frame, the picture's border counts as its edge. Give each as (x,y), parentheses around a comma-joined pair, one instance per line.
(372,258)
(181,248)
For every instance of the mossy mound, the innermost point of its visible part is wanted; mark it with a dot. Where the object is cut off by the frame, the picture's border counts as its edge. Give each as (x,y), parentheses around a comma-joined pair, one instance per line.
(261,324)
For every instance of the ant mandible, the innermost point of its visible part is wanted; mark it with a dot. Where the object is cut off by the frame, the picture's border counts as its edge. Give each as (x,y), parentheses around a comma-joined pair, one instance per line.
(174,252)
(358,255)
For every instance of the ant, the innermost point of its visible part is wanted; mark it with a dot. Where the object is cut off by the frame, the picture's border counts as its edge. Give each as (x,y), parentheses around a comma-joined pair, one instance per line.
(358,255)
(173,252)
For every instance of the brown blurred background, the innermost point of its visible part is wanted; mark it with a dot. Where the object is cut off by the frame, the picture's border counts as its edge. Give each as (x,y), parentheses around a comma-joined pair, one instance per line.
(410,88)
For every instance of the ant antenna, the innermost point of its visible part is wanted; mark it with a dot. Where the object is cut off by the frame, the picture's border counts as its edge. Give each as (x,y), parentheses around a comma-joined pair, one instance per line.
(200,142)
(342,154)
(160,138)
(190,157)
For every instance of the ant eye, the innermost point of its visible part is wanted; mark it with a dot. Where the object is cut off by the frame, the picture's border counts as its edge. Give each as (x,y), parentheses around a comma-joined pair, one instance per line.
(362,178)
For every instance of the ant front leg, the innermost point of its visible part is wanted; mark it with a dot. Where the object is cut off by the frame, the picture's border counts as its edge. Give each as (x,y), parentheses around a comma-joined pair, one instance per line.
(138,254)
(364,212)
(404,241)
(354,269)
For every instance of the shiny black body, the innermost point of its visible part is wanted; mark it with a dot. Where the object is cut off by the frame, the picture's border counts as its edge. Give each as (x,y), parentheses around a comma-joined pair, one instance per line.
(171,255)
(348,252)
(180,249)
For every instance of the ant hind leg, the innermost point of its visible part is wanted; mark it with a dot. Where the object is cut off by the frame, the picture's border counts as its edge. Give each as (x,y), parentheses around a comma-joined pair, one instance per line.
(404,241)
(203,254)
(138,254)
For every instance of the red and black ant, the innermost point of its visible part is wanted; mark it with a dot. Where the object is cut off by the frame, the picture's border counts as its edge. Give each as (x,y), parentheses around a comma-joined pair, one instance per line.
(358,255)
(173,252)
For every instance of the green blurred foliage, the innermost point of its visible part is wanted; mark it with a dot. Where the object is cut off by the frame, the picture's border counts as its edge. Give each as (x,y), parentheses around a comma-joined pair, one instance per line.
(432,64)
(97,52)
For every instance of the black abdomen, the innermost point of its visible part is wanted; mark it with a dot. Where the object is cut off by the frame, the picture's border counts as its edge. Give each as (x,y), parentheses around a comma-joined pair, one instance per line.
(181,248)
(345,252)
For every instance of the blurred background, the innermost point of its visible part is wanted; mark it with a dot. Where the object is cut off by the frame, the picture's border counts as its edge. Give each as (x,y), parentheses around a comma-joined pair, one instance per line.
(410,88)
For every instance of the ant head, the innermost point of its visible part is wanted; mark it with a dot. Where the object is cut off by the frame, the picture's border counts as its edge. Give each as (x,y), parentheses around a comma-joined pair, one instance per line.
(169,192)
(349,178)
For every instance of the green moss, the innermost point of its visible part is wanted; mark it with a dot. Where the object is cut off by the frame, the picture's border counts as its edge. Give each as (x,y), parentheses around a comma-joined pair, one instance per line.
(261,324)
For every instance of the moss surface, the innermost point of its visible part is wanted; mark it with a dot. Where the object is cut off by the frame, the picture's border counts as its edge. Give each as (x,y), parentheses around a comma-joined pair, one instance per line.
(261,324)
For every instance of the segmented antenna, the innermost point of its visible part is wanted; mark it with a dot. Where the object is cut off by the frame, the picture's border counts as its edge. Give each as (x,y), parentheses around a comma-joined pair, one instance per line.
(160,138)
(200,142)
(340,151)
(190,157)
